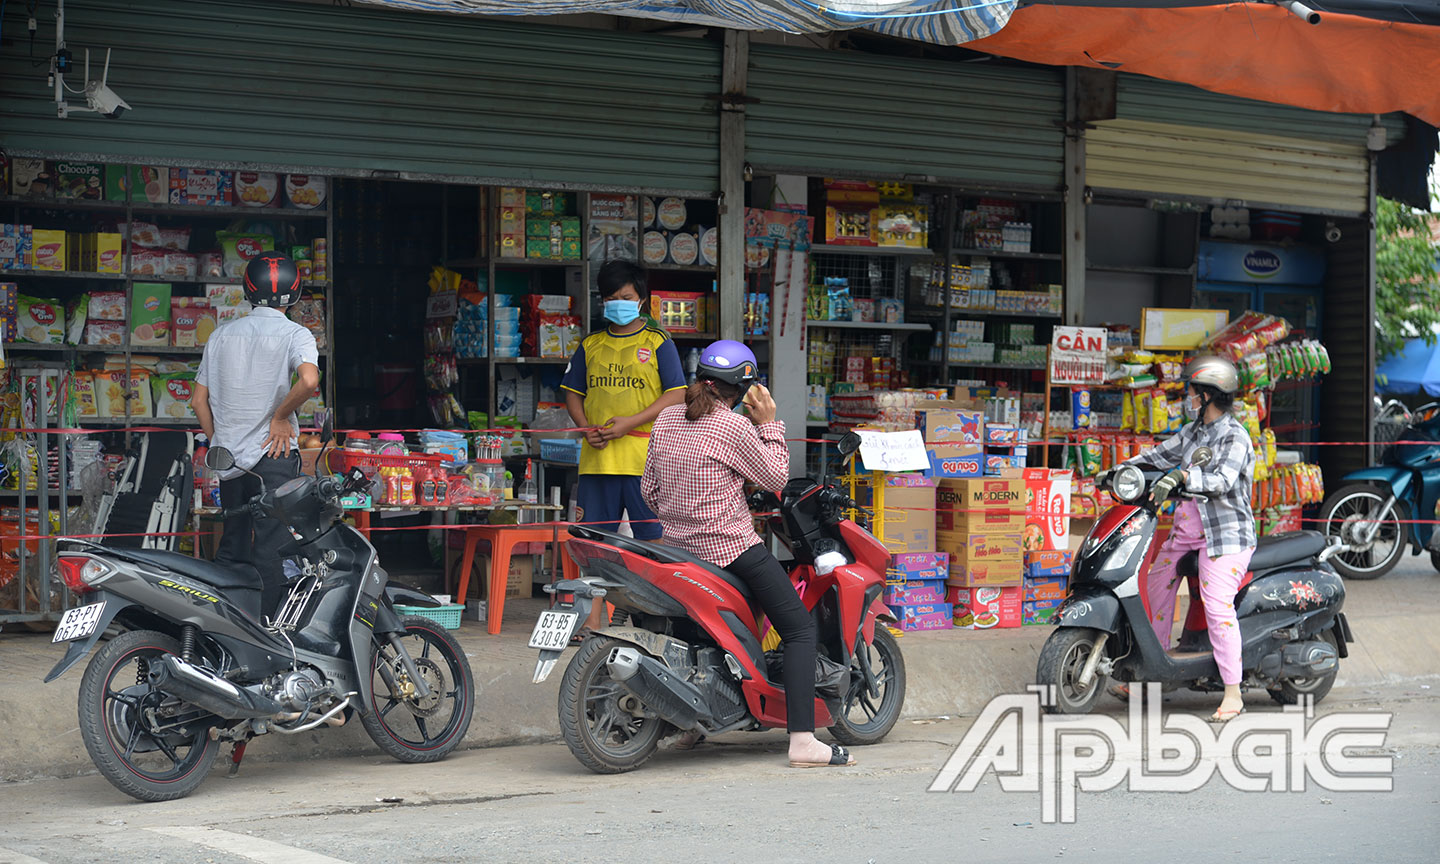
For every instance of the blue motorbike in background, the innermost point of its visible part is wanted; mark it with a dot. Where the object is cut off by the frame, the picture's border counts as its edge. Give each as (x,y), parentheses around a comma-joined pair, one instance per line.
(1372,512)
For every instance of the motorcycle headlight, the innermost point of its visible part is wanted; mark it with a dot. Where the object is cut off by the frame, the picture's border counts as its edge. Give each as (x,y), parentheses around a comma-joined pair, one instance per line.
(1119,559)
(1128,483)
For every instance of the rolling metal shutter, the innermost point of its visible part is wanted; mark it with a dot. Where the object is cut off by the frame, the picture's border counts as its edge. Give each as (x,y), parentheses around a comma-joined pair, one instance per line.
(825,113)
(1348,388)
(354,91)
(1174,140)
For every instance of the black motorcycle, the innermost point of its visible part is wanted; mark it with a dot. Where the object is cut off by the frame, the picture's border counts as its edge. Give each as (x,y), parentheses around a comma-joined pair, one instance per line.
(1292,630)
(199,663)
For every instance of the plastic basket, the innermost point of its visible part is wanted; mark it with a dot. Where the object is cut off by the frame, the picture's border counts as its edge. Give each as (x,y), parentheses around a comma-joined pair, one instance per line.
(446,616)
(360,459)
(560,450)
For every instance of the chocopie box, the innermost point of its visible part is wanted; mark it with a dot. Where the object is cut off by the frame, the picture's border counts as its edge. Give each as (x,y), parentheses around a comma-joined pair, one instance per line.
(910,593)
(1048,562)
(986,608)
(924,616)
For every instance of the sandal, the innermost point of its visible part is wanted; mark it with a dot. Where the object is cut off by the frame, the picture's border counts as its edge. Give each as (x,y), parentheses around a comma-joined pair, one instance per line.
(839,758)
(1220,717)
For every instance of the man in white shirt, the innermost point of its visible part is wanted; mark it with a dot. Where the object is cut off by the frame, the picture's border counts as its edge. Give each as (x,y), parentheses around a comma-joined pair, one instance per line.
(246,403)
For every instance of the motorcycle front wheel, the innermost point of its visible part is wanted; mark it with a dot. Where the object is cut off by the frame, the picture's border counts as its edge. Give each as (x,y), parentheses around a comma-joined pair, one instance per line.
(865,718)
(145,742)
(1061,662)
(1347,512)
(410,727)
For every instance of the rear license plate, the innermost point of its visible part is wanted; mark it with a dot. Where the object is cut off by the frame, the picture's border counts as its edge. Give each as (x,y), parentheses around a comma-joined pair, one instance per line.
(79,622)
(552,630)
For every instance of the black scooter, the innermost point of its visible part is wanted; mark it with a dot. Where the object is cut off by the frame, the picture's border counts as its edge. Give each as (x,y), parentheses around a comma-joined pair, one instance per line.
(198,664)
(1293,631)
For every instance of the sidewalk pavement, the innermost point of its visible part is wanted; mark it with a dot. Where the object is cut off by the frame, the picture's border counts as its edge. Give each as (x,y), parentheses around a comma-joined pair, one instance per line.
(950,673)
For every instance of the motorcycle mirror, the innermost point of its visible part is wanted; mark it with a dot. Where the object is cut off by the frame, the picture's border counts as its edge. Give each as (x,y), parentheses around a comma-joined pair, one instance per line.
(1201,457)
(848,444)
(219,459)
(327,429)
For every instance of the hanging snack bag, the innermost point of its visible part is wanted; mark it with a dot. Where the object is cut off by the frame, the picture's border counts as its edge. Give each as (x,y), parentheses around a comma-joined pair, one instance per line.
(1143,409)
(1127,410)
(1175,408)
(1080,408)
(1159,412)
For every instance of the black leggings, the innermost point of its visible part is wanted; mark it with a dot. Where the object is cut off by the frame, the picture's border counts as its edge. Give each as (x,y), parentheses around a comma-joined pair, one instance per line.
(772,587)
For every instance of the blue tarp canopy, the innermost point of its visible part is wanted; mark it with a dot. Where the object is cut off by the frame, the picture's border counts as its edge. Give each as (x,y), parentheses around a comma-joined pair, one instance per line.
(1414,370)
(950,22)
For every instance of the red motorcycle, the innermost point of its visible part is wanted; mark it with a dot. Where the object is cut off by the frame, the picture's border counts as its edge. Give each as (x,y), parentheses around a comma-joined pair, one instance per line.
(683,649)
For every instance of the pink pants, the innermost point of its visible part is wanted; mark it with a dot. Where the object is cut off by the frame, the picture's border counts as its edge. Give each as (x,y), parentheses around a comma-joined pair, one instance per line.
(1219,583)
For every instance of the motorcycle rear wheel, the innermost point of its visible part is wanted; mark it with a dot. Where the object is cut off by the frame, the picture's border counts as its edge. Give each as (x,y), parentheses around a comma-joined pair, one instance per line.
(1348,507)
(1290,692)
(1061,662)
(114,730)
(876,720)
(602,724)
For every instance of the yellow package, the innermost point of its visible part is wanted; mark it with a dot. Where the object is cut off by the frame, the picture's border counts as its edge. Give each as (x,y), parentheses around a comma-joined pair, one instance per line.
(1270,449)
(112,387)
(1127,410)
(1252,420)
(83,383)
(1159,412)
(1138,357)
(1143,409)
(1261,471)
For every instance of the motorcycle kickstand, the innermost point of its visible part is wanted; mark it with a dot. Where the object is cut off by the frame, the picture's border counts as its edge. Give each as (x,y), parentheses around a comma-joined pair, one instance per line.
(237,752)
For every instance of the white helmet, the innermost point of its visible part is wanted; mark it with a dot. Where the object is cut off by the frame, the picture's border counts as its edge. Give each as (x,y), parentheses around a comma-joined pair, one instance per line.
(1214,371)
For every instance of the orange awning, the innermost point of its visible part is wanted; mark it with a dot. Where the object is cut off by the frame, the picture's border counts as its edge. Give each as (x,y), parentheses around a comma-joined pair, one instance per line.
(1344,64)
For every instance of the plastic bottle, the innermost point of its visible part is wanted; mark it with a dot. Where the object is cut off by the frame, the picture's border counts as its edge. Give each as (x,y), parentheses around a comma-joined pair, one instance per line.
(692,365)
(529,493)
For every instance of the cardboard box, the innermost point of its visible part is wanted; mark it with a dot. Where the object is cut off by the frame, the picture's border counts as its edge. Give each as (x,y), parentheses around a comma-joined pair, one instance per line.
(681,311)
(986,608)
(940,423)
(849,225)
(982,505)
(1002,571)
(201,187)
(966,549)
(908,514)
(539,202)
(517,582)
(997,433)
(926,591)
(1047,501)
(31,178)
(1049,563)
(512,196)
(955,461)
(1038,612)
(50,249)
(1046,588)
(913,564)
(924,616)
(150,184)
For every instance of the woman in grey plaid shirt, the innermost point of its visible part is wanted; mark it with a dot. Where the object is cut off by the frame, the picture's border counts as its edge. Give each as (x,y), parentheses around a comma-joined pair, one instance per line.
(1222,526)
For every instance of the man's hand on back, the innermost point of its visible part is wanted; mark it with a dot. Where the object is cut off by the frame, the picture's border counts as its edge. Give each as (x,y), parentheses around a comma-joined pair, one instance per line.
(277,443)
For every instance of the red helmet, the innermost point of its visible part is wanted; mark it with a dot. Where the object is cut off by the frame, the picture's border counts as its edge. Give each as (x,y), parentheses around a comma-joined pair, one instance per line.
(271,279)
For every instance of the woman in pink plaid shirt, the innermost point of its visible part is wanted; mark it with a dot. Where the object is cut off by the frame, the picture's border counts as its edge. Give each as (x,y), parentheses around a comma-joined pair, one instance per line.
(701,455)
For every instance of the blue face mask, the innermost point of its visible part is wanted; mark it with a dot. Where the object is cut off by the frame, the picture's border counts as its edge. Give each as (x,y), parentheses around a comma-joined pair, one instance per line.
(621,312)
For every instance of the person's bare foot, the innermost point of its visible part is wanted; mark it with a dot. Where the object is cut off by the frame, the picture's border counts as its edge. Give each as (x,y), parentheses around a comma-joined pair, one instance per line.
(1230,707)
(806,749)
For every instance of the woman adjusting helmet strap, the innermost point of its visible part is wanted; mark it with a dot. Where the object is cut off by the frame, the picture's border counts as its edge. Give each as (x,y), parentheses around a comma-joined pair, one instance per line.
(729,362)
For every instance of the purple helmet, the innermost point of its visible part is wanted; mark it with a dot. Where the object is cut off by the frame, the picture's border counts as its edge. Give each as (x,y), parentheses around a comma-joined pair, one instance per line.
(728,361)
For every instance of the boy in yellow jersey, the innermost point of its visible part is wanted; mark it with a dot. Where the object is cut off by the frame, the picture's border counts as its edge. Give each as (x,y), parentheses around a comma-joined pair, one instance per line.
(616,385)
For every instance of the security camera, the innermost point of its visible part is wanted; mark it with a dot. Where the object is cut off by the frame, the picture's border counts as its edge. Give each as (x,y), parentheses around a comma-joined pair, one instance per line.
(1332,232)
(98,95)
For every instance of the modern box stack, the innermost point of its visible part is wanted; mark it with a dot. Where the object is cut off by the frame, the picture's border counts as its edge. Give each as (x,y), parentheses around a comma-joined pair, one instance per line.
(981,525)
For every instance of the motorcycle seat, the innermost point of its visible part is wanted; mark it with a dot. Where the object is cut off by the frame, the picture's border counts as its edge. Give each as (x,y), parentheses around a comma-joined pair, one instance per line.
(1273,551)
(664,554)
(215,575)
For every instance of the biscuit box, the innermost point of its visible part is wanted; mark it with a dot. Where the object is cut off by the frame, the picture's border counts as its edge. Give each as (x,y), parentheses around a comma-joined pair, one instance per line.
(985,608)
(1047,588)
(1004,572)
(955,460)
(201,187)
(1048,562)
(924,616)
(1047,517)
(996,433)
(1038,611)
(913,565)
(909,593)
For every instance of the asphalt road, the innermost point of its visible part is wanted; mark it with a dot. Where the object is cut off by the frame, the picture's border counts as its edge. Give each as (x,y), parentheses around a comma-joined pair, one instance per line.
(730,800)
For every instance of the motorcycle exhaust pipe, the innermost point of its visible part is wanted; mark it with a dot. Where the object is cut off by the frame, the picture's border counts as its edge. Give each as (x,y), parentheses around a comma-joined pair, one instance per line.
(675,700)
(208,691)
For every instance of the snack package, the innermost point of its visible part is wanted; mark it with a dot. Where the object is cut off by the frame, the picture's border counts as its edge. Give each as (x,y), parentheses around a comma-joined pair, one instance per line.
(211,264)
(310,314)
(1127,410)
(257,189)
(112,387)
(1255,371)
(150,314)
(185,315)
(76,312)
(146,262)
(172,395)
(1138,382)
(145,235)
(1107,452)
(104,334)
(39,320)
(1175,408)
(238,249)
(83,383)
(174,239)
(1143,409)
(1088,457)
(107,306)
(1080,408)
(1136,356)
(205,324)
(1159,412)
(180,265)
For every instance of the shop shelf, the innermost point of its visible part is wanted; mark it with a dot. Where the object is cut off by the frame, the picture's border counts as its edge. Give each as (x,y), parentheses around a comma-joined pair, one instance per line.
(998,253)
(891,251)
(22,347)
(61,203)
(502,263)
(693,337)
(962,312)
(164,349)
(229,212)
(869,325)
(526,361)
(1140,270)
(682,268)
(1010,366)
(8,275)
